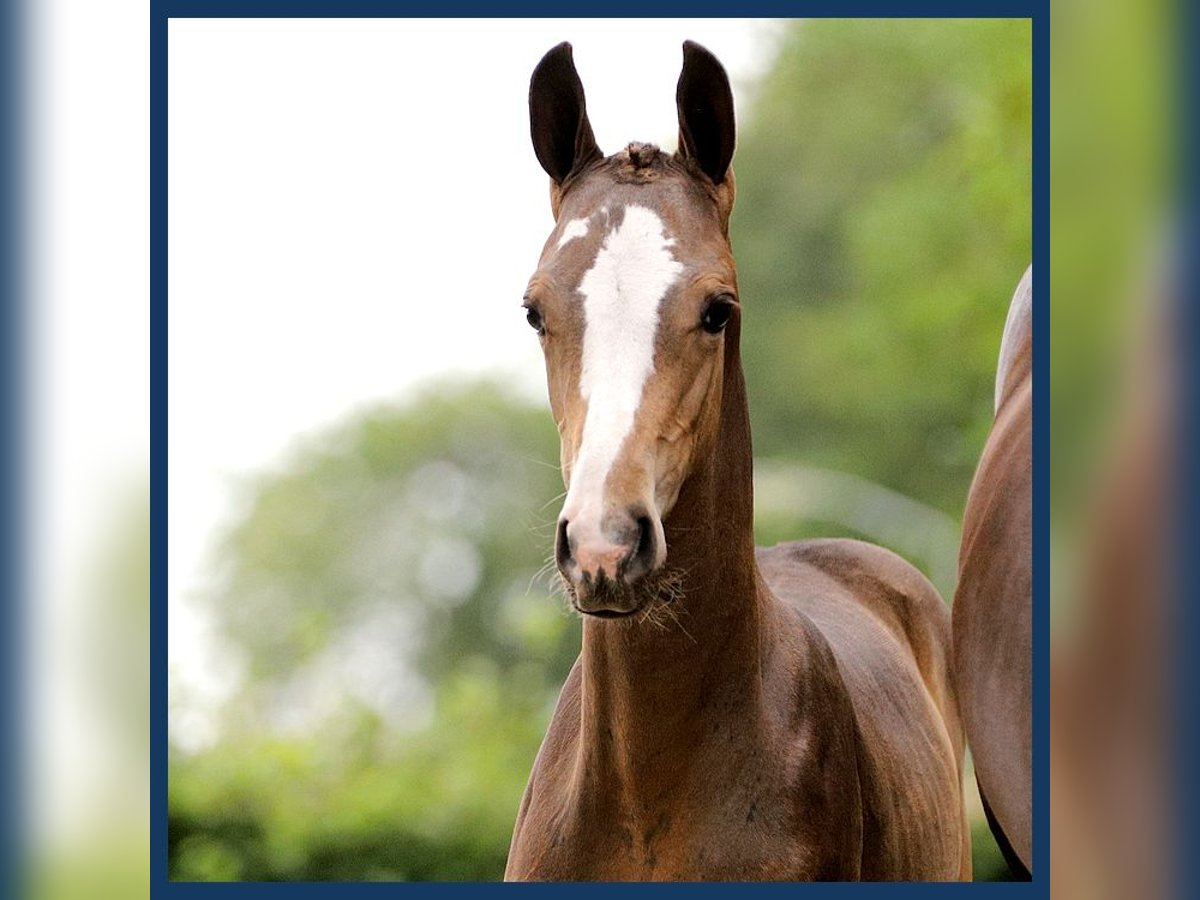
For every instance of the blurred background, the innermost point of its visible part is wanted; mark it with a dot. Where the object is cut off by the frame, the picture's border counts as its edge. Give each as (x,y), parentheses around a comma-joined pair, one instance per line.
(357,405)
(363,466)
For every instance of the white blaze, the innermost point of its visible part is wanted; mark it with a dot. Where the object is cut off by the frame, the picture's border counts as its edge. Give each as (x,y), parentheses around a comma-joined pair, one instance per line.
(576,228)
(621,295)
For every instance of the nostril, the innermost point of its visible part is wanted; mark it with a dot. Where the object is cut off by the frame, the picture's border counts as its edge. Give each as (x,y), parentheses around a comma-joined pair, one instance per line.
(640,560)
(562,546)
(645,545)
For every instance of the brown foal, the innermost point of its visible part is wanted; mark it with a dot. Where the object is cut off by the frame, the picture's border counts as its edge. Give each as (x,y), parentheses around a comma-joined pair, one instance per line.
(735,714)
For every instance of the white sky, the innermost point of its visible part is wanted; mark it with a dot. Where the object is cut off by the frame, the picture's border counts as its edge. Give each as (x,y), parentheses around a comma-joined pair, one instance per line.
(355,207)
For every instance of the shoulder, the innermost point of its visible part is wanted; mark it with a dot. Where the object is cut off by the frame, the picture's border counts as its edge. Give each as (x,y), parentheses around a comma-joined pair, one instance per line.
(841,580)
(880,579)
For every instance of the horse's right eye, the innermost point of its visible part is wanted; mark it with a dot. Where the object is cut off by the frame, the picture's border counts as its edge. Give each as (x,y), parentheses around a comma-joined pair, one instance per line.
(534,318)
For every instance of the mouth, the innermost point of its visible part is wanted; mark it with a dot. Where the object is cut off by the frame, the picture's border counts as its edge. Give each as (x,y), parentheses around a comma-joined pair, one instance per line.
(608,599)
(606,613)
(605,598)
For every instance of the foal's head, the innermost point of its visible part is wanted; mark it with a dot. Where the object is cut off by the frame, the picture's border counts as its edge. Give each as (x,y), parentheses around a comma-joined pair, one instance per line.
(634,300)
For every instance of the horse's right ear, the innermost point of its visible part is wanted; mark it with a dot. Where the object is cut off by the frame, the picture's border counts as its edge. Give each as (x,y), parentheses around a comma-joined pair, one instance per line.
(558,122)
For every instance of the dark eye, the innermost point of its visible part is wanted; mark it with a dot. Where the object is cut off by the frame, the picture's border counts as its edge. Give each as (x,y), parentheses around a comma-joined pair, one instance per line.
(716,315)
(534,318)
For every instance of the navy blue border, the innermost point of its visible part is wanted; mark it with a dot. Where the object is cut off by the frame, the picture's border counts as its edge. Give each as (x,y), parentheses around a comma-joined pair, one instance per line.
(1186,313)
(352,9)
(12,418)
(158,445)
(162,10)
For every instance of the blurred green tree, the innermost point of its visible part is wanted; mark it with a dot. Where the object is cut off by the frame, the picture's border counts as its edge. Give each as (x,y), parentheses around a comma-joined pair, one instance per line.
(422,524)
(882,224)
(401,656)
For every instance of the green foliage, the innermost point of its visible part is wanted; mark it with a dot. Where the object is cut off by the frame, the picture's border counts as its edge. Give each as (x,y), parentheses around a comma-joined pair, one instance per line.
(424,521)
(366,803)
(987,862)
(328,768)
(882,224)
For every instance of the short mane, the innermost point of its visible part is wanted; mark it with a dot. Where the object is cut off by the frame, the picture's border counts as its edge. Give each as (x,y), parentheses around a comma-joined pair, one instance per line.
(639,163)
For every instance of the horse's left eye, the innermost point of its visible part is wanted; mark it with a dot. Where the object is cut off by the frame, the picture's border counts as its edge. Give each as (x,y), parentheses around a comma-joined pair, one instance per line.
(717,313)
(534,318)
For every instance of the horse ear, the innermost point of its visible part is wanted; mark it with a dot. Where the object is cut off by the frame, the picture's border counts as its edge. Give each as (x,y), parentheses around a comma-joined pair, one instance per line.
(705,103)
(558,122)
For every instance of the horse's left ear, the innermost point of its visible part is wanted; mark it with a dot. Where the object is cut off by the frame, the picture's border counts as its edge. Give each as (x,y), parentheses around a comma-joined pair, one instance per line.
(705,103)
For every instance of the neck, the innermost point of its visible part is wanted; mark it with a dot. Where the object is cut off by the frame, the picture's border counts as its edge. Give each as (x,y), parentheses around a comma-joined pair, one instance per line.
(653,687)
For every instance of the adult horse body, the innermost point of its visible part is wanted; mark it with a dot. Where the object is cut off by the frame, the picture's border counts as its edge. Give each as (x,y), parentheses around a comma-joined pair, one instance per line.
(734,714)
(993,603)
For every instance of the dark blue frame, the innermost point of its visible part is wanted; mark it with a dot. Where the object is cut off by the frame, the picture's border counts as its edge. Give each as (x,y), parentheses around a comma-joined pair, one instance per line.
(1187,515)
(12,492)
(162,10)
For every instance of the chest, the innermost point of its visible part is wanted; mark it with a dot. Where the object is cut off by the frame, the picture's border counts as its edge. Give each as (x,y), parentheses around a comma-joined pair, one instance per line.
(753,823)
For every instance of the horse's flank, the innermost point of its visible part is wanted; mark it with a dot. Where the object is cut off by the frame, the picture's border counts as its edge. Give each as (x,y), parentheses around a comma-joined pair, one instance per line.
(993,603)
